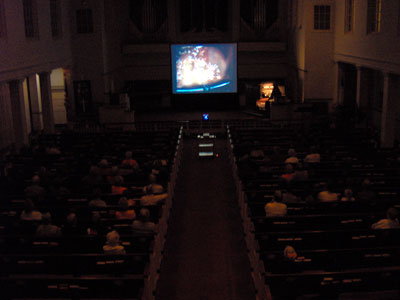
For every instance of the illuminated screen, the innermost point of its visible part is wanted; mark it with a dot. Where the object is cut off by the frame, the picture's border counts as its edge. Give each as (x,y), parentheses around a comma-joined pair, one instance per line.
(203,68)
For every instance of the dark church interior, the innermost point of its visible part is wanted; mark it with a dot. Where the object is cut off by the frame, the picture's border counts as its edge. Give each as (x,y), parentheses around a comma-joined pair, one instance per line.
(198,149)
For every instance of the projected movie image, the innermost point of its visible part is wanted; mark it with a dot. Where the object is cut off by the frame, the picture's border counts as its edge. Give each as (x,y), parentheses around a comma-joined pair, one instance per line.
(206,68)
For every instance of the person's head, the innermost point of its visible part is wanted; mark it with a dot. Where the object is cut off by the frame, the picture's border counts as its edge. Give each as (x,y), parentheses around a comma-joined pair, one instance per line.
(118,180)
(72,220)
(28,205)
(292,152)
(348,193)
(128,155)
(277,196)
(46,218)
(103,163)
(152,178)
(114,171)
(145,213)
(290,253)
(94,170)
(36,180)
(112,238)
(392,214)
(288,168)
(123,203)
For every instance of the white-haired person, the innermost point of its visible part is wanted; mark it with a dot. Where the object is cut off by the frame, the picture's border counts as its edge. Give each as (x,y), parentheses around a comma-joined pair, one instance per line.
(142,223)
(275,207)
(113,245)
(390,222)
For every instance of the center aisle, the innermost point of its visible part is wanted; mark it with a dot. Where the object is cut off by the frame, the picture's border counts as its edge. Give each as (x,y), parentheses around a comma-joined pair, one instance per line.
(205,252)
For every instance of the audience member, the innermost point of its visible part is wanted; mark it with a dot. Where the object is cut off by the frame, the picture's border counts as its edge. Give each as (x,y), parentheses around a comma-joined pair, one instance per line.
(125,213)
(143,223)
(35,190)
(104,168)
(326,195)
(289,197)
(288,175)
(129,162)
(117,188)
(300,174)
(153,187)
(275,207)
(29,213)
(150,199)
(96,228)
(347,195)
(113,246)
(391,221)
(366,193)
(46,229)
(292,159)
(93,180)
(71,226)
(313,157)
(96,199)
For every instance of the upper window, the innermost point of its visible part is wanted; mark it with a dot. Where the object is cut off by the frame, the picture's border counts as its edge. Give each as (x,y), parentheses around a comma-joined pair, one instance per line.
(374,16)
(55,17)
(349,16)
(3,30)
(84,21)
(30,18)
(322,17)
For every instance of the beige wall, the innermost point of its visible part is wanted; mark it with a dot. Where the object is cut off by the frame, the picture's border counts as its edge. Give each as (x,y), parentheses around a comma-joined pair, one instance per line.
(377,50)
(20,55)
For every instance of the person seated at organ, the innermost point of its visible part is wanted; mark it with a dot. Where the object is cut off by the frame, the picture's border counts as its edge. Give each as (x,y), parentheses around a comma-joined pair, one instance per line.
(275,207)
(96,199)
(390,222)
(47,229)
(124,213)
(117,188)
(142,223)
(113,246)
(326,194)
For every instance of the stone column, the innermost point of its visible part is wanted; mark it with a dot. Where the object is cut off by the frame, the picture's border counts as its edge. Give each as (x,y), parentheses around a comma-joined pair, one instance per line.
(338,91)
(388,117)
(18,113)
(69,101)
(36,103)
(6,121)
(47,102)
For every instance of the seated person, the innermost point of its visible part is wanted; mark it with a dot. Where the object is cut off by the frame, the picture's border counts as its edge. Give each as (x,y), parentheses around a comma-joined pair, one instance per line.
(300,174)
(96,199)
(391,221)
(117,188)
(113,246)
(326,195)
(366,193)
(129,162)
(29,213)
(46,229)
(150,198)
(289,174)
(94,179)
(289,197)
(153,187)
(35,190)
(71,226)
(143,223)
(125,213)
(347,195)
(275,207)
(313,157)
(292,159)
(96,228)
(114,173)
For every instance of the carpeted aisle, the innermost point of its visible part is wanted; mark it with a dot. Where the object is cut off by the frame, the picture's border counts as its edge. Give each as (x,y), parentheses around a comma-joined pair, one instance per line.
(205,252)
